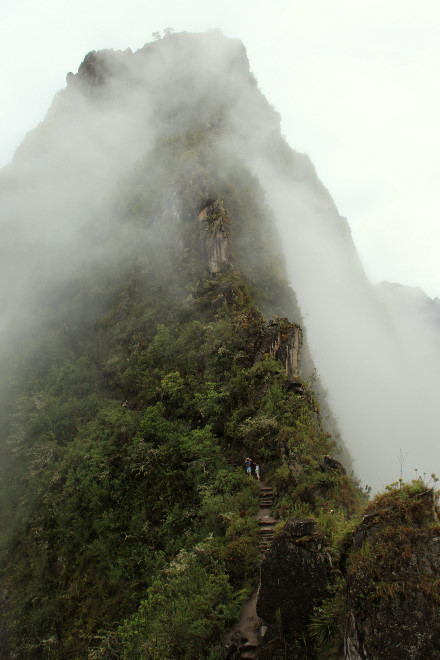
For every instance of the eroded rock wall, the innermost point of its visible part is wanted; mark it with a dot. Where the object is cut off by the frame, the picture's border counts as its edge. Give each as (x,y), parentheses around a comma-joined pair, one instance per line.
(283,340)
(215,236)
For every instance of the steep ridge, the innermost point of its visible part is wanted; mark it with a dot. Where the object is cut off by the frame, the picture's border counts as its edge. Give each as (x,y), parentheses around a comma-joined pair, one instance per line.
(152,368)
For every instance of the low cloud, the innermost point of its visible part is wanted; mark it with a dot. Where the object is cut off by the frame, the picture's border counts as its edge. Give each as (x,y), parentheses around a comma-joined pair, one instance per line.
(378,361)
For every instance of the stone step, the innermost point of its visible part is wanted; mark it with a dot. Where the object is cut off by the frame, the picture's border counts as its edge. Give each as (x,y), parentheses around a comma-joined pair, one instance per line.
(267,521)
(248,651)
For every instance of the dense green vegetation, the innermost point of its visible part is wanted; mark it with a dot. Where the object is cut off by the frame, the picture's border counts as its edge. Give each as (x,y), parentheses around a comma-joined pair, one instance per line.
(126,529)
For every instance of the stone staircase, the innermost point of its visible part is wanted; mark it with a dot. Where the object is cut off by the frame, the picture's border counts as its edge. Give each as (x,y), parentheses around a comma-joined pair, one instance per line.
(265,498)
(265,520)
(242,641)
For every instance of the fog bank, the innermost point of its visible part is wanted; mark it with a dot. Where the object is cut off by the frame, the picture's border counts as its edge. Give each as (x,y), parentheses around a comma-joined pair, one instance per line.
(378,359)
(376,353)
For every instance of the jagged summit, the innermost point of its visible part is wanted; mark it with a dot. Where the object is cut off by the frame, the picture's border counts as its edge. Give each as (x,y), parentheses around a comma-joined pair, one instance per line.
(222,54)
(180,82)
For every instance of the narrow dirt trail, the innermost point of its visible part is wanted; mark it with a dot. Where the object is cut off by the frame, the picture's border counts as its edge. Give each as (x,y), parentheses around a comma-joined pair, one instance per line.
(243,637)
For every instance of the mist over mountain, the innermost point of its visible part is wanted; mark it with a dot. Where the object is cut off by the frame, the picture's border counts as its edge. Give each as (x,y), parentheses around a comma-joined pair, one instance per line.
(382,382)
(411,302)
(60,191)
(172,273)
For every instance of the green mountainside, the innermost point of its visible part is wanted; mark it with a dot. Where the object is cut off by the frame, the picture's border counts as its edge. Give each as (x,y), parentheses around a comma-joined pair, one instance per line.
(133,388)
(114,499)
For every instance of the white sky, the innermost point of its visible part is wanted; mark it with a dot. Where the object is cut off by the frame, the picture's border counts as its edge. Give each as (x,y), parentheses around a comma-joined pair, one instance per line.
(356,82)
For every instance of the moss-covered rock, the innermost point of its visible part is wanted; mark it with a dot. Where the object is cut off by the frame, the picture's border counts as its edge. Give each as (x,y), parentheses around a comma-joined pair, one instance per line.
(393,578)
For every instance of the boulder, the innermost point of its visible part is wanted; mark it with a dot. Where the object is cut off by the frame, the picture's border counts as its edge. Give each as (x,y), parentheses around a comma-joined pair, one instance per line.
(393,577)
(330,464)
(294,576)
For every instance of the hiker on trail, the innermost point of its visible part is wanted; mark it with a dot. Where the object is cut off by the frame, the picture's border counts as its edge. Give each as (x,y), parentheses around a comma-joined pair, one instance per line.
(257,471)
(248,462)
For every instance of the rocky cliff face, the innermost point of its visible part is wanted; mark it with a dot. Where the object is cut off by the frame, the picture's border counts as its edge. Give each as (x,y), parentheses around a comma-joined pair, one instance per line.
(384,588)
(283,340)
(294,577)
(393,577)
(215,241)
